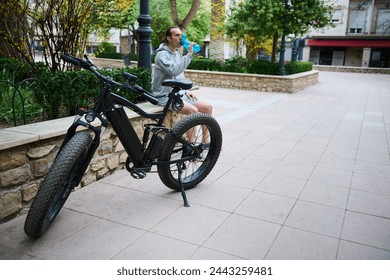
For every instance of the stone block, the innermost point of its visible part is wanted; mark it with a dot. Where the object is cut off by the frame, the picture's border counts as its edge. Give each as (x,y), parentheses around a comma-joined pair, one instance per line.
(113,162)
(29,192)
(10,204)
(105,147)
(40,152)
(101,173)
(97,164)
(123,157)
(40,167)
(12,158)
(15,176)
(88,178)
(118,147)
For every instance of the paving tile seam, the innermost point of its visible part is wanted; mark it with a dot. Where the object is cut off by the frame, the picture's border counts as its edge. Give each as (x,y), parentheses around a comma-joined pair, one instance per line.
(216,250)
(246,110)
(370,192)
(108,220)
(367,245)
(367,214)
(144,192)
(129,245)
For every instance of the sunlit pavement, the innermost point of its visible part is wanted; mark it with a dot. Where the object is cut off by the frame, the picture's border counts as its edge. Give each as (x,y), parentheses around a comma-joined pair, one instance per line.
(301,176)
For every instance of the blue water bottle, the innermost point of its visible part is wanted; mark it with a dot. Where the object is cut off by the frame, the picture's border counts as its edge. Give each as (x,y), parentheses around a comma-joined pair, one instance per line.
(185,43)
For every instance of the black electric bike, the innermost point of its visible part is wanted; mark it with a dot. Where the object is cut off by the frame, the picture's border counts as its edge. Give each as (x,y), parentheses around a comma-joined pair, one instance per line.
(184,154)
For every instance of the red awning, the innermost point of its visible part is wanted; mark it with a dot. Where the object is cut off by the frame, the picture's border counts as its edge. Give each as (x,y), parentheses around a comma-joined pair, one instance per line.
(349,43)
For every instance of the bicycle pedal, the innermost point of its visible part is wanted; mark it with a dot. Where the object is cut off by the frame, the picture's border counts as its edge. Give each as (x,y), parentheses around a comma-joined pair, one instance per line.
(137,174)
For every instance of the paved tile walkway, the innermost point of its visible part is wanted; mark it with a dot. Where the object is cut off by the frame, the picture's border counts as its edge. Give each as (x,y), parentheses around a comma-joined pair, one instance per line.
(302,176)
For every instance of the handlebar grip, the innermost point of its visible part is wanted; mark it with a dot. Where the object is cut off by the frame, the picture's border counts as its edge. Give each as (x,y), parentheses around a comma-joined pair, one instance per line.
(75,61)
(70,59)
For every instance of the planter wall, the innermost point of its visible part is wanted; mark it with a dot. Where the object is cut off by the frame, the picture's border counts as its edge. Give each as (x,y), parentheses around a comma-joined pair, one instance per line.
(27,152)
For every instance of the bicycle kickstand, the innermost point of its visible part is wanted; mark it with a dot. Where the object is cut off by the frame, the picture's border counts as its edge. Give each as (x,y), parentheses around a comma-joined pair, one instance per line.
(183,192)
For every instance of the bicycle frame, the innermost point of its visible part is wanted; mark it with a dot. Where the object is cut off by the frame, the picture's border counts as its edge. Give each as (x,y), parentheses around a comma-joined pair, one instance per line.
(159,145)
(109,108)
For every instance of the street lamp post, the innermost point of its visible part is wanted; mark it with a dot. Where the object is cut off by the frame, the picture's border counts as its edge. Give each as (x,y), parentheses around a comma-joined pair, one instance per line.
(144,34)
(283,41)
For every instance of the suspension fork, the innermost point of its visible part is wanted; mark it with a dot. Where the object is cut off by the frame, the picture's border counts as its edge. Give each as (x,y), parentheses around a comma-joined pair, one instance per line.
(98,131)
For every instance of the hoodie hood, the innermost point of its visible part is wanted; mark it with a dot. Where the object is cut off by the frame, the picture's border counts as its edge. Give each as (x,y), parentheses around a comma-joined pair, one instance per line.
(168,64)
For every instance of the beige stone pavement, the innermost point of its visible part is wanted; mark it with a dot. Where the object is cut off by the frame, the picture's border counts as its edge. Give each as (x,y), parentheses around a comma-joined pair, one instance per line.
(301,176)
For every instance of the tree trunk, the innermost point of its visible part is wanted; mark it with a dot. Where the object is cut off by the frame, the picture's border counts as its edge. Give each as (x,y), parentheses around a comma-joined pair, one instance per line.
(190,16)
(274,46)
(216,47)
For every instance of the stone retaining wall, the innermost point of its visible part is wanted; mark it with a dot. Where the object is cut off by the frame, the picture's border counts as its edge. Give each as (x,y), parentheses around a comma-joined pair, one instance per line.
(25,160)
(351,69)
(265,83)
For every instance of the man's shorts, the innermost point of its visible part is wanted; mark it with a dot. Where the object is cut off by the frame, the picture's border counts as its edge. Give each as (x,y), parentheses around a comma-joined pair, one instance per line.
(162,101)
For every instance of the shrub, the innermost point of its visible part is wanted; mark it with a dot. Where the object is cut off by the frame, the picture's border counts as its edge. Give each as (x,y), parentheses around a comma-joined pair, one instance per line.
(17,104)
(62,93)
(54,95)
(264,67)
(294,67)
(17,70)
(132,56)
(106,47)
(237,64)
(109,55)
(206,64)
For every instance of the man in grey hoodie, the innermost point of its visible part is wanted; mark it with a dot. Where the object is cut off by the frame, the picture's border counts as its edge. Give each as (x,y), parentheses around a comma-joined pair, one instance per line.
(170,64)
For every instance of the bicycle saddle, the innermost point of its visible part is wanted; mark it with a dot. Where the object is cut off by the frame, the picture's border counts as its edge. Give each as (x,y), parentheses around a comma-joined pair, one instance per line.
(181,83)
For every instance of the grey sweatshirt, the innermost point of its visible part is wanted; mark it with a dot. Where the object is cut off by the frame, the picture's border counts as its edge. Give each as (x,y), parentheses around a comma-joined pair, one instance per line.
(168,65)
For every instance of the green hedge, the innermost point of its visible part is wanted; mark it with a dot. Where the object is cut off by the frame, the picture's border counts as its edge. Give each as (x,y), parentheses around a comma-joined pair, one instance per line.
(115,55)
(59,94)
(17,70)
(62,93)
(294,67)
(110,55)
(264,67)
(241,65)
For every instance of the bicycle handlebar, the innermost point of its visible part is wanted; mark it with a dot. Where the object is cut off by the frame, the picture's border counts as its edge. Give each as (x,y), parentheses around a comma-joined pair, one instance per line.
(88,65)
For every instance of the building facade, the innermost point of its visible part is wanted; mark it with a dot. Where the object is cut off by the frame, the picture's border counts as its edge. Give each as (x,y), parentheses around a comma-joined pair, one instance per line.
(360,36)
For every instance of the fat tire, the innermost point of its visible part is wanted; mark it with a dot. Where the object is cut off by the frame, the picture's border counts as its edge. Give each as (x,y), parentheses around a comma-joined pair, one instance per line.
(56,187)
(168,172)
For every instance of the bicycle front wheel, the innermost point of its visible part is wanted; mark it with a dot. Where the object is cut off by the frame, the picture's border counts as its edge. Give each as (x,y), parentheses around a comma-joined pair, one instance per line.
(203,133)
(57,185)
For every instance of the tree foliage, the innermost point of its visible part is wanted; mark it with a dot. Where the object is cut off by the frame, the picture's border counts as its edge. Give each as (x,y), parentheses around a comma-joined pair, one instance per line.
(60,25)
(196,26)
(263,19)
(15,32)
(193,16)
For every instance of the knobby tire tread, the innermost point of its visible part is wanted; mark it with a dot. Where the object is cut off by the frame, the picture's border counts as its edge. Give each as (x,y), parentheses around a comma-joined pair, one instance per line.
(171,138)
(61,168)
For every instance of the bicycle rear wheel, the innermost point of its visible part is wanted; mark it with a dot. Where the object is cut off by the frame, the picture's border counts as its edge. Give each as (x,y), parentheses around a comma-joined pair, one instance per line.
(58,184)
(203,134)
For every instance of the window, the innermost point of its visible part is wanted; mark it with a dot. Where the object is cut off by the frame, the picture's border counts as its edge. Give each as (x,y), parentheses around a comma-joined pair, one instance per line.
(357,21)
(383,23)
(336,18)
(355,30)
